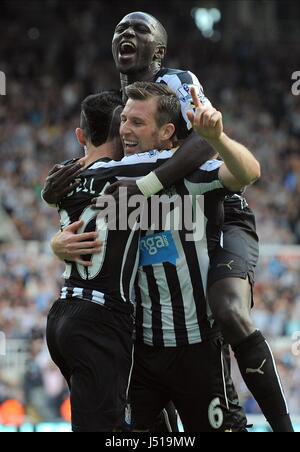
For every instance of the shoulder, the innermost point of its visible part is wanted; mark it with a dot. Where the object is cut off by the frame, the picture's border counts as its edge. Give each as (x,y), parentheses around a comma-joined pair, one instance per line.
(177,76)
(137,159)
(207,176)
(181,82)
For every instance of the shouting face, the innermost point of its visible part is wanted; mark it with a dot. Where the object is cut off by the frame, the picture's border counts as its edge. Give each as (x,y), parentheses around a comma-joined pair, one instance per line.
(139,40)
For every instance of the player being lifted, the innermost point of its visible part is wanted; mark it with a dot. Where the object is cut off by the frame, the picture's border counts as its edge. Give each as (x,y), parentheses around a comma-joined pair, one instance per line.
(139,47)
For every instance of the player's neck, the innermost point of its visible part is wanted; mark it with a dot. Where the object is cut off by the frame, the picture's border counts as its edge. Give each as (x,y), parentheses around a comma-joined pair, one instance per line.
(145,75)
(93,154)
(166,146)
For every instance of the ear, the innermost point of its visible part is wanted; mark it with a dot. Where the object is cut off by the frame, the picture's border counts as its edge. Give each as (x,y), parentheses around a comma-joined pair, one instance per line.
(160,52)
(80,136)
(167,132)
(117,146)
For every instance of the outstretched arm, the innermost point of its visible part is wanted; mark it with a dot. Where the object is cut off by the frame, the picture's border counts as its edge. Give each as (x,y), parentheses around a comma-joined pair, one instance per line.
(241,167)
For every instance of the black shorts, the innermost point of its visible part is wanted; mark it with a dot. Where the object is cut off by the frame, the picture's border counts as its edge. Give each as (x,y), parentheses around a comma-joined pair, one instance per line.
(195,377)
(237,258)
(92,346)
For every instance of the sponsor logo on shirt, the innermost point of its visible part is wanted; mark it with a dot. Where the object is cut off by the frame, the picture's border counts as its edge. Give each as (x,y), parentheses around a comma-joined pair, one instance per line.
(158,249)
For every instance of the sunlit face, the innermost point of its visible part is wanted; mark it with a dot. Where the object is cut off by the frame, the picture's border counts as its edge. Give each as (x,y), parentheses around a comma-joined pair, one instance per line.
(138,130)
(134,42)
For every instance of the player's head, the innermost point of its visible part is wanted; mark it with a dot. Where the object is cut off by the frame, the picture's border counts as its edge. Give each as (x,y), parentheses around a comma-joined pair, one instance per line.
(139,41)
(150,118)
(100,119)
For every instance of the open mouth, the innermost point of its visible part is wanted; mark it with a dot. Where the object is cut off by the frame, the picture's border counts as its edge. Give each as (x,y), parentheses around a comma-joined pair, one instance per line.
(127,49)
(129,144)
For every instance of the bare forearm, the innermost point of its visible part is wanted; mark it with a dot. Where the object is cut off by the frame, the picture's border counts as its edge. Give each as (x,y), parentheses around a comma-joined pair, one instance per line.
(67,245)
(238,159)
(55,247)
(193,152)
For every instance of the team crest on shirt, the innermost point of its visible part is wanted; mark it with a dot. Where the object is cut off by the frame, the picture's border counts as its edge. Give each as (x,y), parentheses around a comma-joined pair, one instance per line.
(184,94)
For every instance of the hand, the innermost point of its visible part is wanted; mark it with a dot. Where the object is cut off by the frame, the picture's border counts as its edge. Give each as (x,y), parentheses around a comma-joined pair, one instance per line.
(130,185)
(70,246)
(113,190)
(61,181)
(206,121)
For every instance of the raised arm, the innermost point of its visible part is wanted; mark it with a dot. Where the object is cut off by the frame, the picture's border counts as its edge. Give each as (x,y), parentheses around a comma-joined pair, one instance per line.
(241,167)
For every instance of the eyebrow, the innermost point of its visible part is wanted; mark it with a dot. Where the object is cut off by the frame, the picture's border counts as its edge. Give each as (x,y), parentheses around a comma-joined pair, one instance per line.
(134,118)
(135,22)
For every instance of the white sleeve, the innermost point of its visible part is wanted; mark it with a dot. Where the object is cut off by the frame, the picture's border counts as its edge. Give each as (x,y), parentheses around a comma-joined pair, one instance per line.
(205,179)
(181,83)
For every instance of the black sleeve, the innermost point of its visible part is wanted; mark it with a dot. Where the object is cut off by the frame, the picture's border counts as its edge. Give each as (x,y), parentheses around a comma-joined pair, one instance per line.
(191,155)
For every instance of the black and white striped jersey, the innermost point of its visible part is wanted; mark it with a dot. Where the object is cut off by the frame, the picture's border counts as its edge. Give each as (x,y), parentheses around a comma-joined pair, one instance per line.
(171,302)
(181,82)
(110,279)
(173,263)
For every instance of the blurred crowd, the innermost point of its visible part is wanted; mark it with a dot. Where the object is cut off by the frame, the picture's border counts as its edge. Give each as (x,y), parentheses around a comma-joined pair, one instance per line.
(52,61)
(277,314)
(29,283)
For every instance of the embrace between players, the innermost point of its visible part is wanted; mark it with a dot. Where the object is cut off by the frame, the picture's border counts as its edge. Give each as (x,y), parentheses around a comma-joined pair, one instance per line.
(190,298)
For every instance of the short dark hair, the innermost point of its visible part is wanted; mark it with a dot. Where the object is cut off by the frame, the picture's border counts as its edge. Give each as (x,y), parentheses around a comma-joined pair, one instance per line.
(162,36)
(100,115)
(168,105)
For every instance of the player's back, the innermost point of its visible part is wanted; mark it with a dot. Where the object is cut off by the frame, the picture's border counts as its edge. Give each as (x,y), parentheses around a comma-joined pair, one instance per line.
(109,280)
